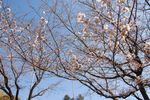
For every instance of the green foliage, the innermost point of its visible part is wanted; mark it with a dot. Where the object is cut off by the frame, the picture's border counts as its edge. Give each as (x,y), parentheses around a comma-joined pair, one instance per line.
(66,97)
(80,97)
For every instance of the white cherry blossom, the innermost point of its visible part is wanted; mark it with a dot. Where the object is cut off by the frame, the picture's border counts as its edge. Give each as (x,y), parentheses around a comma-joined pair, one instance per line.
(80,17)
(98,0)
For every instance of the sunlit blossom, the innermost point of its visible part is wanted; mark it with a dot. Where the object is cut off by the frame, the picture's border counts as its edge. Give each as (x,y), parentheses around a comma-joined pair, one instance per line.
(43,21)
(120,1)
(97,20)
(98,0)
(44,12)
(8,10)
(109,14)
(147,44)
(125,9)
(129,56)
(106,26)
(126,27)
(80,17)
(10,57)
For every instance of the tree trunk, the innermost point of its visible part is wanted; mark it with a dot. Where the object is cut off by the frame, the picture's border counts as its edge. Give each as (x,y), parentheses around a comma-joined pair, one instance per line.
(143,92)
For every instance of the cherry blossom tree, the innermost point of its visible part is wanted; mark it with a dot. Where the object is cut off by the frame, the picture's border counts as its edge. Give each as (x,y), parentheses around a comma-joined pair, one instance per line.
(103,44)
(106,46)
(22,52)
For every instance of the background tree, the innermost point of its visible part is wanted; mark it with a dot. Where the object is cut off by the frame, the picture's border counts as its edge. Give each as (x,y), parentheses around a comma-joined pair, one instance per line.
(106,46)
(66,97)
(80,97)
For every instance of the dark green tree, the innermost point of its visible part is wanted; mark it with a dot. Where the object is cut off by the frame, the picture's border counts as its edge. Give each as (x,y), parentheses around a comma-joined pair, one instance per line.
(66,97)
(80,97)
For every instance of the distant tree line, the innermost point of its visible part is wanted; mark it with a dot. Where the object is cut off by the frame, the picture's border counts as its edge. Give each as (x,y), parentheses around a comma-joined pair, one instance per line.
(79,97)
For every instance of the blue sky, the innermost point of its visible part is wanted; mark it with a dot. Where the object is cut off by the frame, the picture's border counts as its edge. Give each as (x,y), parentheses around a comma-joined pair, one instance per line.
(20,7)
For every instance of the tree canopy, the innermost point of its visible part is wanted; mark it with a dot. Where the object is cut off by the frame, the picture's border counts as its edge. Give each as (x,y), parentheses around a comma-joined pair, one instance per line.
(103,44)
(107,47)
